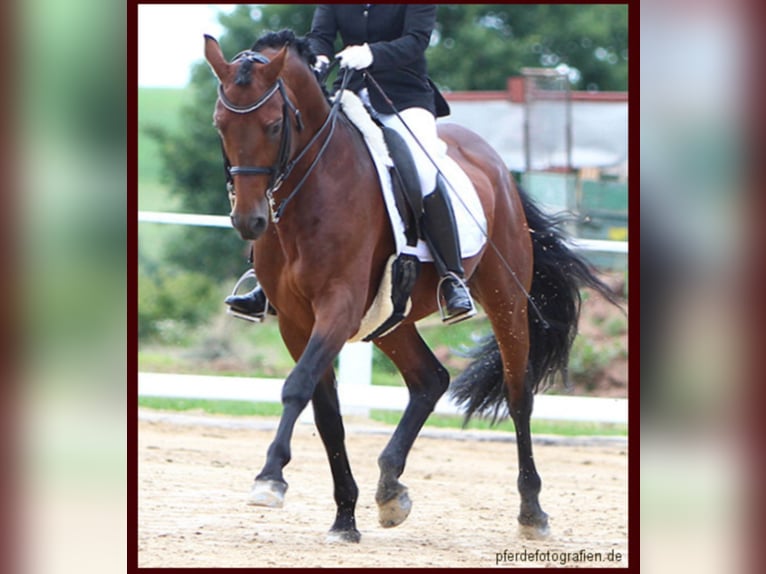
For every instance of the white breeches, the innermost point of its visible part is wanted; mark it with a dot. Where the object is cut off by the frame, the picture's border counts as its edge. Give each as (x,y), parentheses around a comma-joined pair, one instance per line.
(423,125)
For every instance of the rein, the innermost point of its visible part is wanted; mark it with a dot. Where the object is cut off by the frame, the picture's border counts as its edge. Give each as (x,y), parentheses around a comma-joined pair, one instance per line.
(283,166)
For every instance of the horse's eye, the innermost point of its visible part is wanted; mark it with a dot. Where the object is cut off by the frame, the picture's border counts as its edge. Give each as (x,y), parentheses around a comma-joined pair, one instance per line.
(274,129)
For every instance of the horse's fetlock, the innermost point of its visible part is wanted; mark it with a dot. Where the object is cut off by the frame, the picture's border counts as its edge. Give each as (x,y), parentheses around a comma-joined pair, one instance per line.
(346,494)
(388,465)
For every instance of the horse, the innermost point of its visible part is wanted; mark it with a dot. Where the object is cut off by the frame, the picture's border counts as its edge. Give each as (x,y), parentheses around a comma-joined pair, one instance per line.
(306,194)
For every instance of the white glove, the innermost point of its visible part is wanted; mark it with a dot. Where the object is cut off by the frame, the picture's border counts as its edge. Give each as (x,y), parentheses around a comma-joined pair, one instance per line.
(321,64)
(355,57)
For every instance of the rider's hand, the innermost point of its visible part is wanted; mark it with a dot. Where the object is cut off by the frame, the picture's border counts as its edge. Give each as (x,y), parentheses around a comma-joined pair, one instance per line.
(355,57)
(320,66)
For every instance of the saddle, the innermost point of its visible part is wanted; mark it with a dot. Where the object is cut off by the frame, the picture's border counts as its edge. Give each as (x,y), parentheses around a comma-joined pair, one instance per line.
(405,184)
(402,270)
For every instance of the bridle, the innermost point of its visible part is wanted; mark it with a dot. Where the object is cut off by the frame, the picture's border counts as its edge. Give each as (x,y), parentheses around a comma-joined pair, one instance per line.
(283,166)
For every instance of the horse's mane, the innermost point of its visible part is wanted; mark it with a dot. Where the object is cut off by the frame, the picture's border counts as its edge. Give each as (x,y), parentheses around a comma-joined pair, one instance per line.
(277,40)
(286,37)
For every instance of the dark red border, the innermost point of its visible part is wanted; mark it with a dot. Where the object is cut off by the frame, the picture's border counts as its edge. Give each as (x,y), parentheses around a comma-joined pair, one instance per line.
(13,340)
(132,291)
(634,223)
(753,400)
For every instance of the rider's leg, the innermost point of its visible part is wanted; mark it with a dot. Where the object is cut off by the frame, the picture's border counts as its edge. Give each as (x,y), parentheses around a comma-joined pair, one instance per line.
(438,218)
(252,303)
(441,235)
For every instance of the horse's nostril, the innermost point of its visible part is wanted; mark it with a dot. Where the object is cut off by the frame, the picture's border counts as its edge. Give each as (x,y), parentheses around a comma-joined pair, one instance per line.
(249,227)
(259,224)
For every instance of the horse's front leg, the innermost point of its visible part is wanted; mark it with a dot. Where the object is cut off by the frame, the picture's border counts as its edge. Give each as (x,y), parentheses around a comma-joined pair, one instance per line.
(324,344)
(329,423)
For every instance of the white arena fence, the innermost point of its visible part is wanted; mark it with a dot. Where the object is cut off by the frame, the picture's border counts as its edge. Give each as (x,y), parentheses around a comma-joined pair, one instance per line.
(357,394)
(356,398)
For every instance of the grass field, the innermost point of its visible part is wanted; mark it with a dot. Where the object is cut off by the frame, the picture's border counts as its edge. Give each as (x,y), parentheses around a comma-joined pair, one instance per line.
(156,106)
(231,347)
(159,107)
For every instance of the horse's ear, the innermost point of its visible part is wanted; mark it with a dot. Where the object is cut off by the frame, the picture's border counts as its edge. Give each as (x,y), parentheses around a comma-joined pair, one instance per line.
(272,70)
(214,57)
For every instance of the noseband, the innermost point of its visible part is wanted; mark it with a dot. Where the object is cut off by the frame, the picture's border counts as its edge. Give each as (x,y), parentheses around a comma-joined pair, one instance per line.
(283,166)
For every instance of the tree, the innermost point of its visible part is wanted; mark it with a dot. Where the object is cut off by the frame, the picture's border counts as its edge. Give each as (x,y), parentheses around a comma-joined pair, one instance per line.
(477,47)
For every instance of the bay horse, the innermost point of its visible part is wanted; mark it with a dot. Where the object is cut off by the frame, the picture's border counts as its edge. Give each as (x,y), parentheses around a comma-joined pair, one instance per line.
(306,193)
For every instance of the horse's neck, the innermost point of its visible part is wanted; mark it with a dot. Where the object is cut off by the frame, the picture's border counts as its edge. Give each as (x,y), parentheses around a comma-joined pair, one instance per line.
(310,99)
(333,192)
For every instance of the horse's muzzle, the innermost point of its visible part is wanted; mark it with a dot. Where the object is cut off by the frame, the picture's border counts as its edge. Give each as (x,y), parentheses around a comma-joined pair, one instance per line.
(250,226)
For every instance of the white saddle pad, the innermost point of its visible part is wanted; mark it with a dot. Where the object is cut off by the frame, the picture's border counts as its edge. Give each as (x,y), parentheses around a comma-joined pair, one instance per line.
(469,216)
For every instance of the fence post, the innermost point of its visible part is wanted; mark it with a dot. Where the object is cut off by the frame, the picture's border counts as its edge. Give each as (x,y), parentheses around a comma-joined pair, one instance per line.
(355,368)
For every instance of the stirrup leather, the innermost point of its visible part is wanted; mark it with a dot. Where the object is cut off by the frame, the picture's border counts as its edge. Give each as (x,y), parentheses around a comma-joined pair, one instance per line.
(250,273)
(447,319)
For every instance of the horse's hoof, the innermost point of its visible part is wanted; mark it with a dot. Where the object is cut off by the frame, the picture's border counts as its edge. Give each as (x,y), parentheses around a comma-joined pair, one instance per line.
(534,532)
(269,493)
(534,527)
(396,510)
(343,536)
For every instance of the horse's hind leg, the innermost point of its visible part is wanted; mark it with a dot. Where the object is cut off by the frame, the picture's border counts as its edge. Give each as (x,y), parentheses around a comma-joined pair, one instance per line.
(329,423)
(426,381)
(507,311)
(532,520)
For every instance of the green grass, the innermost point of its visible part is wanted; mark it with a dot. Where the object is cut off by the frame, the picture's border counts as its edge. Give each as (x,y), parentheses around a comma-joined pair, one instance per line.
(245,408)
(156,106)
(155,196)
(225,346)
(234,408)
(160,107)
(265,355)
(563,428)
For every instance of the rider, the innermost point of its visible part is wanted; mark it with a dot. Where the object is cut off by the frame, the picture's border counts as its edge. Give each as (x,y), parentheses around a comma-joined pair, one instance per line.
(389,42)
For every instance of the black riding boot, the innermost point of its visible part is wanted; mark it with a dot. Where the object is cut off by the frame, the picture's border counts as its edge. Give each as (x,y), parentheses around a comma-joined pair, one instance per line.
(253,303)
(441,236)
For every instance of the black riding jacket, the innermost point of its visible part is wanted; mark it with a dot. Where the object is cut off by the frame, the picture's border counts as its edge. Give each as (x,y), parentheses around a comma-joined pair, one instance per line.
(398,35)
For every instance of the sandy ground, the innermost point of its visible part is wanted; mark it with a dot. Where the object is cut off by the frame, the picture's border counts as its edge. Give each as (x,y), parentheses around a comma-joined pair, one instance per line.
(194,474)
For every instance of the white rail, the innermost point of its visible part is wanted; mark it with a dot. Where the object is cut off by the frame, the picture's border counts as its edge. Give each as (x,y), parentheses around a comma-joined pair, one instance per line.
(184,219)
(224,221)
(356,397)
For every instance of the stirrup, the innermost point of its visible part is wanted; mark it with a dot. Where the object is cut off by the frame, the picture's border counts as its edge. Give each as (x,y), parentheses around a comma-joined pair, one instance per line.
(450,320)
(250,273)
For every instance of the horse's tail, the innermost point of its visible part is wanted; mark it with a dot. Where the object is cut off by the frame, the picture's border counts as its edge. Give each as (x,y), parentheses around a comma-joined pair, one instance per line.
(558,275)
